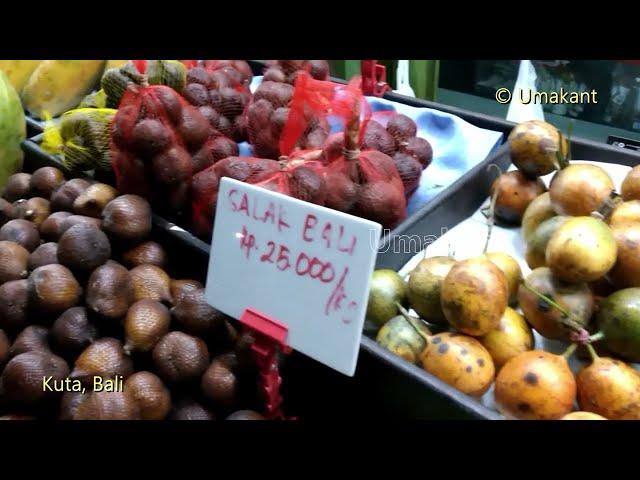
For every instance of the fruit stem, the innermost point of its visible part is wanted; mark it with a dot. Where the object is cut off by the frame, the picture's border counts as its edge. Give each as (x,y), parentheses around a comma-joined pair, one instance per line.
(592,352)
(562,156)
(596,337)
(491,219)
(569,351)
(568,319)
(351,149)
(608,206)
(410,319)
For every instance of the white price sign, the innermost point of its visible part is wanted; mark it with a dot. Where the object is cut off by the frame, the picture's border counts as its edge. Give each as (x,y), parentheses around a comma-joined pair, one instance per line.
(306,266)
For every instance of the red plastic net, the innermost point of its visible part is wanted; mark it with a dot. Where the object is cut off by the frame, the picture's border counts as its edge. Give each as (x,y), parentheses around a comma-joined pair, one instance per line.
(220,90)
(287,71)
(205,185)
(363,182)
(155,137)
(272,106)
(297,173)
(393,134)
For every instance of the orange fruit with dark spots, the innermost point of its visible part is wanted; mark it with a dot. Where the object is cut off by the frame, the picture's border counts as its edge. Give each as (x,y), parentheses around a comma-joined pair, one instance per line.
(535,385)
(460,361)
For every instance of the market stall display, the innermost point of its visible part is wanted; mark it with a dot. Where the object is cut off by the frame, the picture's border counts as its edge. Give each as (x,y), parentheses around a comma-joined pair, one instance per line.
(88,307)
(569,293)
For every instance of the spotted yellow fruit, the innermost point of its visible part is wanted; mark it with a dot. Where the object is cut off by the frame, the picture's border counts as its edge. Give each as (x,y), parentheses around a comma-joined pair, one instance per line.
(460,361)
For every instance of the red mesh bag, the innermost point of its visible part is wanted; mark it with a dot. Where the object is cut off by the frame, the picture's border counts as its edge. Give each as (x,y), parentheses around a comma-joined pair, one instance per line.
(154,137)
(220,90)
(240,66)
(286,71)
(362,182)
(394,134)
(268,113)
(205,184)
(297,173)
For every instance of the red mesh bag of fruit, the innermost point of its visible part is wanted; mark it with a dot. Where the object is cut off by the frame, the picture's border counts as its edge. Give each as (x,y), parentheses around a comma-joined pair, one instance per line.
(156,140)
(205,185)
(220,90)
(267,115)
(286,71)
(297,173)
(393,134)
(361,181)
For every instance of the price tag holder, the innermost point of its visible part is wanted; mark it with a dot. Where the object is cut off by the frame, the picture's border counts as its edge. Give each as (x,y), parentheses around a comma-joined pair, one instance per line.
(306,266)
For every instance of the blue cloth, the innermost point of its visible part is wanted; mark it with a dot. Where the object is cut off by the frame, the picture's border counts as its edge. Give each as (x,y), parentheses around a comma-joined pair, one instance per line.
(457,145)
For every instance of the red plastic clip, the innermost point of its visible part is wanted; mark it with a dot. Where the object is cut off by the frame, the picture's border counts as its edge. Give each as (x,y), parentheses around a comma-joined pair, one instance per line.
(374,78)
(269,338)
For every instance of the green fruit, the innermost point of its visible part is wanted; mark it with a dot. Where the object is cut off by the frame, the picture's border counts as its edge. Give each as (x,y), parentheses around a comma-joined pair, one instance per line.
(12,130)
(425,284)
(401,338)
(619,320)
(387,288)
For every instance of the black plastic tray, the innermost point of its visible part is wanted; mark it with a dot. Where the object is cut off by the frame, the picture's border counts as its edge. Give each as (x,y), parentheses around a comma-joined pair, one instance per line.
(310,390)
(450,209)
(33,126)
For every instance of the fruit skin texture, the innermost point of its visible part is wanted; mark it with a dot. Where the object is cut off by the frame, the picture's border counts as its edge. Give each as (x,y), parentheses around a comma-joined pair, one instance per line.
(538,211)
(22,378)
(460,361)
(387,288)
(53,289)
(626,212)
(579,189)
(535,385)
(511,337)
(582,416)
(630,189)
(619,320)
(474,296)
(581,250)
(515,192)
(400,338)
(108,406)
(104,358)
(18,71)
(626,271)
(56,86)
(12,130)
(536,254)
(179,357)
(149,393)
(610,388)
(533,146)
(576,298)
(425,285)
(511,270)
